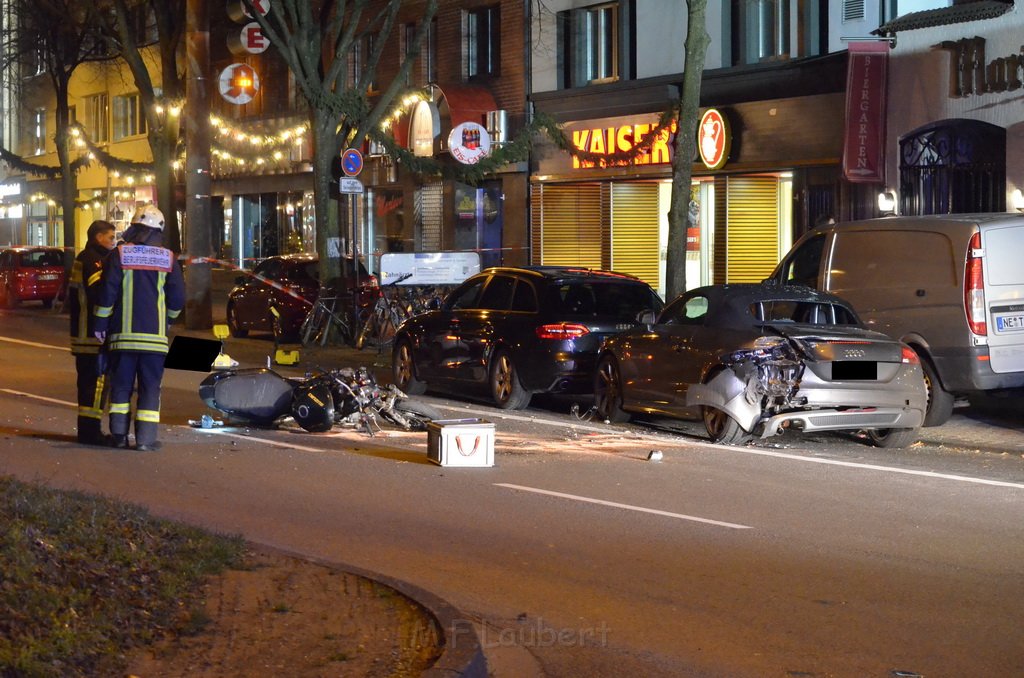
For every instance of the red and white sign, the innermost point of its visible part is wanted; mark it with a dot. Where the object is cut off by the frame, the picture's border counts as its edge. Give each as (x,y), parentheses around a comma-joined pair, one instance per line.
(714,138)
(469,143)
(238,83)
(239,12)
(249,40)
(864,146)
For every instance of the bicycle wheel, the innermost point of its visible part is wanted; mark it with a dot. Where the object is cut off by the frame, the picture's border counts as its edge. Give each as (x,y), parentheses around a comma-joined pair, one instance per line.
(366,331)
(310,329)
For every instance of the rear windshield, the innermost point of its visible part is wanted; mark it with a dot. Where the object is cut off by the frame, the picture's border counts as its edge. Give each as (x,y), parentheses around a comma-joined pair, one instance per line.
(607,299)
(41,259)
(805,312)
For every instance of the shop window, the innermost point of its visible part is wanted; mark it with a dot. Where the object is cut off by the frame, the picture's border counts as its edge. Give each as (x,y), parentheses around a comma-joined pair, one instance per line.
(760,31)
(97,118)
(483,42)
(129,118)
(953,166)
(596,43)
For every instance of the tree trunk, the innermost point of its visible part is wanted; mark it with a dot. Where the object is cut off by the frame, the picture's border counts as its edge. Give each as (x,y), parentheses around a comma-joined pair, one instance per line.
(327,231)
(198,303)
(697,41)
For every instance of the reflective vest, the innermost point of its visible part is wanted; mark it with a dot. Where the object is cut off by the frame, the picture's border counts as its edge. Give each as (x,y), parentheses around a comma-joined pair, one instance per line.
(141,291)
(83,288)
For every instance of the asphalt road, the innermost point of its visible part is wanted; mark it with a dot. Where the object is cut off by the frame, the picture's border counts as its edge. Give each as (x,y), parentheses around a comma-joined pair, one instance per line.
(577,556)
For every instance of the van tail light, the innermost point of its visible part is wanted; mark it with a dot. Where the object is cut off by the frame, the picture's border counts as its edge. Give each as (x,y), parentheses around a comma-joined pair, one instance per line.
(909,356)
(974,287)
(561,331)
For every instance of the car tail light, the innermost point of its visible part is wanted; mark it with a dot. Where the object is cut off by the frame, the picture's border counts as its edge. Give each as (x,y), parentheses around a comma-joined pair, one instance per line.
(562,331)
(974,287)
(909,356)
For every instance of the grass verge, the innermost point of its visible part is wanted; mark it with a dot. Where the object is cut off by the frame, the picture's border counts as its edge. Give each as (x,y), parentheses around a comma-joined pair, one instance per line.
(84,579)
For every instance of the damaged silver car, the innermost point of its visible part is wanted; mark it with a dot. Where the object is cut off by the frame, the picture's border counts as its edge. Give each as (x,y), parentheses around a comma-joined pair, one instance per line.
(757,359)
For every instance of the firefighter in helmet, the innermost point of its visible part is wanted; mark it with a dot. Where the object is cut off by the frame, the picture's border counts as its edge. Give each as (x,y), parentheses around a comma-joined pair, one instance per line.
(141,291)
(84,287)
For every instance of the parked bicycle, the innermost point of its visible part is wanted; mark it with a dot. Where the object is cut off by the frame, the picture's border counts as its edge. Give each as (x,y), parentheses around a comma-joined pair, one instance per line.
(387,314)
(328,314)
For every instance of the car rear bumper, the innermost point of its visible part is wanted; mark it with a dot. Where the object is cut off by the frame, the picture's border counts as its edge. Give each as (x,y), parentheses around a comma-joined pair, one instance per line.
(839,420)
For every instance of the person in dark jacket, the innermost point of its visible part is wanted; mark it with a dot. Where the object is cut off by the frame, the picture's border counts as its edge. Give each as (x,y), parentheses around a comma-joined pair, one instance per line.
(141,291)
(84,287)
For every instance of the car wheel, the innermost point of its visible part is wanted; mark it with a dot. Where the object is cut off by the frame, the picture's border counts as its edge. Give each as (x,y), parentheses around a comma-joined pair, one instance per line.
(608,391)
(940,401)
(233,326)
(507,392)
(722,428)
(892,437)
(403,369)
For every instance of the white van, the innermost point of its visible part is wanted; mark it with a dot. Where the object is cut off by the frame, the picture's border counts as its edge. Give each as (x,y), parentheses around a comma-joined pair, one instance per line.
(951,286)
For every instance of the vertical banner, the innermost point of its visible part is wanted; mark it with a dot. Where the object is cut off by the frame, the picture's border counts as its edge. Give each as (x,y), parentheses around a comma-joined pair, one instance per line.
(864,146)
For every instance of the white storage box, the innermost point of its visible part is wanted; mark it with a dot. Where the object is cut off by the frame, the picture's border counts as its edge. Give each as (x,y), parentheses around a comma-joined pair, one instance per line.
(460,442)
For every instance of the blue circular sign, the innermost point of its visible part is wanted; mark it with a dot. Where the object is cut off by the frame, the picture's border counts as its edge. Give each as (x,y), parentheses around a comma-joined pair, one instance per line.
(351,162)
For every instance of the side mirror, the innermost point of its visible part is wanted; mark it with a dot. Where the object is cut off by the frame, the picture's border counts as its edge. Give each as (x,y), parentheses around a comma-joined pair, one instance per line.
(647,317)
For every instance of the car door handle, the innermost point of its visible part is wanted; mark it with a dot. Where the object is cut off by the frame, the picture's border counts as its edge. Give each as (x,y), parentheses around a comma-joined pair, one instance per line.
(920,293)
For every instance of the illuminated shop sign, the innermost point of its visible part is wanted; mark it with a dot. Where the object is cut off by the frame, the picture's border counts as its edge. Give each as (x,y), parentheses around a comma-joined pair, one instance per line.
(714,138)
(972,72)
(621,139)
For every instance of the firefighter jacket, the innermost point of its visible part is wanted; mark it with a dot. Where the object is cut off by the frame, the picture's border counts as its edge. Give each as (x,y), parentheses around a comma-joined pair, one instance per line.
(142,289)
(83,289)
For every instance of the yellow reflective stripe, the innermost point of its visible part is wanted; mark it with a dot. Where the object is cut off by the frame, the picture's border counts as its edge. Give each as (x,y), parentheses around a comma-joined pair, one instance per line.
(103,311)
(93,278)
(161,302)
(97,396)
(76,272)
(139,336)
(90,413)
(84,347)
(138,346)
(173,314)
(120,408)
(127,297)
(152,416)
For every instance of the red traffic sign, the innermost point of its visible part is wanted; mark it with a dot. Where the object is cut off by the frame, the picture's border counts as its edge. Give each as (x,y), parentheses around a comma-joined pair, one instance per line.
(352,162)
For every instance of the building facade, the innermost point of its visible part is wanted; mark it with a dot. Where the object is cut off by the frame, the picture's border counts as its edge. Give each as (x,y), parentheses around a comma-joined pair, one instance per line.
(955,123)
(775,75)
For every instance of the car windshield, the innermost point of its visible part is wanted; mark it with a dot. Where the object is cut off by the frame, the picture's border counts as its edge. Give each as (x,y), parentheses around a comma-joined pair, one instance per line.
(617,300)
(805,312)
(304,274)
(42,258)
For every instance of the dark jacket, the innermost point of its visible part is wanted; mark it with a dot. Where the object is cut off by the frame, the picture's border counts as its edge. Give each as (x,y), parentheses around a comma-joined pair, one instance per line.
(142,289)
(83,290)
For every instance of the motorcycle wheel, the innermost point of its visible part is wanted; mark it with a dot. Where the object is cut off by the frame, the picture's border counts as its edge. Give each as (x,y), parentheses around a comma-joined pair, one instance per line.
(418,413)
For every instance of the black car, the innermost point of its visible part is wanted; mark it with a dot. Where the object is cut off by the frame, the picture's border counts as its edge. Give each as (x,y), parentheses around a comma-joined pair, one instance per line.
(519,331)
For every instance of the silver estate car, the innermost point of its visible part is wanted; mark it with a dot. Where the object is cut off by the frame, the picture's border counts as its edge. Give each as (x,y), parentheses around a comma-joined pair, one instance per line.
(757,359)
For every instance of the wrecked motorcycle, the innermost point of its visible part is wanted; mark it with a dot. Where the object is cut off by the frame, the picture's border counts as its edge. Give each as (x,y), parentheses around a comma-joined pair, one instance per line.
(317,402)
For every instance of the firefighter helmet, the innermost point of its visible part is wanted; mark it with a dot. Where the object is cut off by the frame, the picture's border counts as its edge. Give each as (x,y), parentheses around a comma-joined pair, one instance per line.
(149,215)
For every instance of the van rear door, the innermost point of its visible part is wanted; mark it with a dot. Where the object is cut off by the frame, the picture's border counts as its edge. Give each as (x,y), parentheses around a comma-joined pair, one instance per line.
(1002,243)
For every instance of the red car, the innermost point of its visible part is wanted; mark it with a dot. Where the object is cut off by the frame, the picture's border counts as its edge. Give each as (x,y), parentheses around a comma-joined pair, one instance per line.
(31,274)
(289,284)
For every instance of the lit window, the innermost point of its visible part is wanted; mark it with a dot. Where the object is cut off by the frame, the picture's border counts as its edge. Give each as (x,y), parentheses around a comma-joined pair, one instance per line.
(129,118)
(594,42)
(39,131)
(97,118)
(760,30)
(483,42)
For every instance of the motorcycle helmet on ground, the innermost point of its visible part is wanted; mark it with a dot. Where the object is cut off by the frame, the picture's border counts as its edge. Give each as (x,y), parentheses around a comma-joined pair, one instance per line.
(149,215)
(313,407)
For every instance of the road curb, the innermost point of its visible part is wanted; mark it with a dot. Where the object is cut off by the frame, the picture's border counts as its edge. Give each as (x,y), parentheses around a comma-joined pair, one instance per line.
(461,651)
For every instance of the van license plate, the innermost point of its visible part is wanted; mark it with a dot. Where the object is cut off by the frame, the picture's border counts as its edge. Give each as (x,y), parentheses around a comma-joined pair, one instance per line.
(49,276)
(1009,323)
